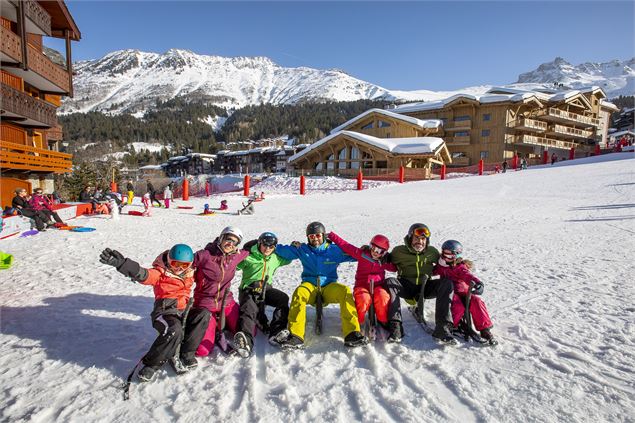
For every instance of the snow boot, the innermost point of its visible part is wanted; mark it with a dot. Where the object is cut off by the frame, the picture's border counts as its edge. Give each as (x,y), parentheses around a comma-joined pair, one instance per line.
(292,342)
(189,363)
(355,339)
(443,334)
(177,366)
(243,344)
(486,334)
(396,332)
(146,374)
(279,338)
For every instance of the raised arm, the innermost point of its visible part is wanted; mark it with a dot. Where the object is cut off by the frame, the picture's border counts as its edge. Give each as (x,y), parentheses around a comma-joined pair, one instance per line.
(347,248)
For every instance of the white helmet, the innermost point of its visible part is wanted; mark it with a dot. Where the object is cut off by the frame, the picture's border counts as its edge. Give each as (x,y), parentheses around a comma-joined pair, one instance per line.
(232,230)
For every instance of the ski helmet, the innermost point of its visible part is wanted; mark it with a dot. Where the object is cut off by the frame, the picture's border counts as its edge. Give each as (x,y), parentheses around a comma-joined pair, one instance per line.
(268,239)
(232,230)
(315,228)
(419,229)
(454,246)
(182,253)
(381,242)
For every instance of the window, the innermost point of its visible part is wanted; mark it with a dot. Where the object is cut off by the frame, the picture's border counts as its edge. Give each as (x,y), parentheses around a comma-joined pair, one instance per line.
(382,164)
(485,133)
(342,154)
(383,124)
(458,155)
(368,126)
(484,155)
(318,166)
(487,116)
(462,134)
(354,153)
(461,118)
(387,134)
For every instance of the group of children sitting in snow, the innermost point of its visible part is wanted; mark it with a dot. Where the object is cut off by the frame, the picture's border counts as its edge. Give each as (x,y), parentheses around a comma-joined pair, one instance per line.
(189,327)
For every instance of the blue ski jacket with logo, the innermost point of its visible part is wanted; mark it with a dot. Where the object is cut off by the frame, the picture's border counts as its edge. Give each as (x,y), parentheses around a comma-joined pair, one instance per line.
(319,263)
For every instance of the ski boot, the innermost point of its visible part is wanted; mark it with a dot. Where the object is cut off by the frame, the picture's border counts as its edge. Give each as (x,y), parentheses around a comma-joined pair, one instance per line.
(396,332)
(146,374)
(355,339)
(486,334)
(189,362)
(243,344)
(292,342)
(177,366)
(443,334)
(279,338)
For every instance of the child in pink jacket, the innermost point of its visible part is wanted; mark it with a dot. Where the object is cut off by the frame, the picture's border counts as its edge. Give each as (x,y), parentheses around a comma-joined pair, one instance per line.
(452,267)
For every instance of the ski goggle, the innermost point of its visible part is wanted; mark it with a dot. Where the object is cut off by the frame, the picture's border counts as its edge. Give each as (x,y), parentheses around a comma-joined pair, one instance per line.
(269,241)
(450,255)
(422,232)
(180,265)
(232,241)
(375,249)
(314,236)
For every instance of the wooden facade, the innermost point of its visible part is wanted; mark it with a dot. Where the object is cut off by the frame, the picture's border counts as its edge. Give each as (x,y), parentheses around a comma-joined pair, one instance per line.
(503,122)
(32,86)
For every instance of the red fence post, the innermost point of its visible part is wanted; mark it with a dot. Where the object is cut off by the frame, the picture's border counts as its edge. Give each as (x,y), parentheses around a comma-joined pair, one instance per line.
(571,153)
(597,149)
(302,185)
(402,174)
(545,157)
(186,189)
(113,186)
(246,186)
(443,168)
(480,167)
(360,180)
(515,162)
(207,188)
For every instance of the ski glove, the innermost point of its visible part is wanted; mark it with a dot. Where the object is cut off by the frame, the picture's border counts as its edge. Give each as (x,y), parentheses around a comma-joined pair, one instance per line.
(477,289)
(111,257)
(125,266)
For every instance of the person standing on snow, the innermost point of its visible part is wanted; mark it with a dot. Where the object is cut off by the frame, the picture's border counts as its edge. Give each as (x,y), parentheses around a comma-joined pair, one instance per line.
(167,196)
(372,265)
(215,268)
(319,268)
(415,261)
(172,277)
(130,189)
(256,292)
(153,193)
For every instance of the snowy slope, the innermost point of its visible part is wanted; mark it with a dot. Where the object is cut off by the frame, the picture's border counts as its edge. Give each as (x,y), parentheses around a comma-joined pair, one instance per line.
(553,245)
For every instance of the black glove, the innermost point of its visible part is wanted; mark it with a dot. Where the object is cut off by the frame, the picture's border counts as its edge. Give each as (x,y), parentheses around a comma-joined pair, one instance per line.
(477,289)
(111,257)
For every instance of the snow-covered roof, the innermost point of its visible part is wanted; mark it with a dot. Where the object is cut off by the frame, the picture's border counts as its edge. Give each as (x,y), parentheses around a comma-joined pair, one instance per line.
(619,134)
(609,105)
(151,167)
(202,155)
(425,124)
(410,146)
(237,153)
(176,158)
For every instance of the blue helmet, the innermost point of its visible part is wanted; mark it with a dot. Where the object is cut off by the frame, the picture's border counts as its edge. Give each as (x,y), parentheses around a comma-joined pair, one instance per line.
(453,246)
(181,252)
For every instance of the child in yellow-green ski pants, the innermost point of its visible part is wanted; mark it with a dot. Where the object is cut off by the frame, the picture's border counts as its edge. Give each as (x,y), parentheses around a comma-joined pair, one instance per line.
(332,293)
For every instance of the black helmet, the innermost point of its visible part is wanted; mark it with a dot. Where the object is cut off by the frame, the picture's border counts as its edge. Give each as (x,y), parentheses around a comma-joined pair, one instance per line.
(420,230)
(268,239)
(315,228)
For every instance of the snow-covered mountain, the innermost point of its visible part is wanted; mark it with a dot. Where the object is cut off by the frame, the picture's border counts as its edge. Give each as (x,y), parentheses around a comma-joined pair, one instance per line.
(615,77)
(132,81)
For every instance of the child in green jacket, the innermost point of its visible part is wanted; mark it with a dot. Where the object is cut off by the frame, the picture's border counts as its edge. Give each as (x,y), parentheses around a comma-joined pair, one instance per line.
(256,292)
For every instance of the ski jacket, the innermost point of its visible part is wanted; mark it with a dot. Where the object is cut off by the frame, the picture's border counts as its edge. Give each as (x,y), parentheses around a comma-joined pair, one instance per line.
(412,265)
(167,285)
(85,197)
(214,273)
(458,274)
(20,203)
(319,264)
(129,187)
(367,268)
(39,202)
(167,194)
(256,267)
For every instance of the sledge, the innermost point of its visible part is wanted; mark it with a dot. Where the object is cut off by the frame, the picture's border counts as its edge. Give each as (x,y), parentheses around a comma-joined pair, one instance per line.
(29,233)
(185,207)
(206,214)
(82,229)
(135,213)
(66,227)
(6,260)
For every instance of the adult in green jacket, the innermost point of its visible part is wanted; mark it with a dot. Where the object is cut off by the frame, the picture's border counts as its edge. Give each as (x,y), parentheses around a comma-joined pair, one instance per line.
(415,261)
(255,292)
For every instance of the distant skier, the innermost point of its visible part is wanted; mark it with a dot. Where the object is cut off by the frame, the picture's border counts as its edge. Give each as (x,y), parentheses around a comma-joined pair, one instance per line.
(248,208)
(504,165)
(153,193)
(172,277)
(167,196)
(554,158)
(223,205)
(452,267)
(147,204)
(130,189)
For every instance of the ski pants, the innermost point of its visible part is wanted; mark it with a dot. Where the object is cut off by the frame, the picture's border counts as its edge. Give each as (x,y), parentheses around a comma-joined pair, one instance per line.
(232,312)
(252,309)
(170,330)
(153,198)
(167,203)
(51,214)
(380,298)
(441,289)
(333,293)
(479,313)
(130,197)
(37,216)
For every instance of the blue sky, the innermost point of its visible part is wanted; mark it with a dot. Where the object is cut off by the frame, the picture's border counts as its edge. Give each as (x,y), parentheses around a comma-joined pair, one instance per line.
(398,45)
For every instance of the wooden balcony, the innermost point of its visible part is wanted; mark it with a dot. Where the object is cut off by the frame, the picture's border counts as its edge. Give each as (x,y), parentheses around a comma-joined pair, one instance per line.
(13,134)
(562,116)
(569,132)
(55,134)
(43,73)
(29,111)
(541,141)
(462,140)
(526,124)
(458,125)
(22,157)
(38,16)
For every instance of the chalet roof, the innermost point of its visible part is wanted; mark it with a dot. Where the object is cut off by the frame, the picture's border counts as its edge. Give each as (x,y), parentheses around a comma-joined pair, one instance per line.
(609,105)
(202,155)
(620,133)
(424,124)
(151,167)
(409,146)
(61,19)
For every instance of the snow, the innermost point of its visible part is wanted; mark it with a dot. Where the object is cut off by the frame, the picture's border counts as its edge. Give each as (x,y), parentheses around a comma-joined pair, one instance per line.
(216,122)
(553,245)
(151,147)
(425,124)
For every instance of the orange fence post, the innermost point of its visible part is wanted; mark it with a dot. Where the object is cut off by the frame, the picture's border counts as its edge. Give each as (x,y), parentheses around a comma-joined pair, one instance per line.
(443,168)
(246,186)
(186,189)
(402,174)
(360,180)
(302,185)
(113,186)
(545,157)
(480,167)
(572,153)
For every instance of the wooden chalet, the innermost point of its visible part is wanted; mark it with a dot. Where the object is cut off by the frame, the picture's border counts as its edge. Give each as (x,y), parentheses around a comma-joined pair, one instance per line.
(32,87)
(376,139)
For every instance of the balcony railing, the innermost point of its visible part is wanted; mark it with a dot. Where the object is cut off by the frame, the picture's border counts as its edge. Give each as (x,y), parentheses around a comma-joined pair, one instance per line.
(458,125)
(37,15)
(22,104)
(55,134)
(22,157)
(461,140)
(558,114)
(572,132)
(542,141)
(12,134)
(37,61)
(528,124)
